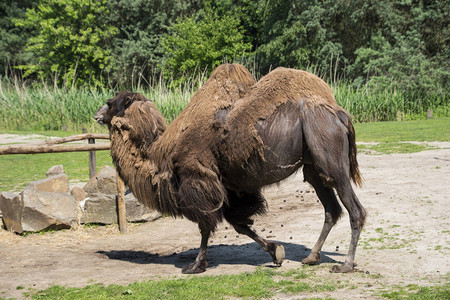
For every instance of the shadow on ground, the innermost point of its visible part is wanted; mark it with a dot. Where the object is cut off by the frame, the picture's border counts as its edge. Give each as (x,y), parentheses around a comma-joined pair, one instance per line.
(250,254)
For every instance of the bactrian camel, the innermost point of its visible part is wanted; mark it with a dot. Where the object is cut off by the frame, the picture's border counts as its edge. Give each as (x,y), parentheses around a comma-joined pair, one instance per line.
(234,138)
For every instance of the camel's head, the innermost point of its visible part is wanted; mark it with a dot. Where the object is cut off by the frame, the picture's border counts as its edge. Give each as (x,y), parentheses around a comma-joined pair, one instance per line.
(116,107)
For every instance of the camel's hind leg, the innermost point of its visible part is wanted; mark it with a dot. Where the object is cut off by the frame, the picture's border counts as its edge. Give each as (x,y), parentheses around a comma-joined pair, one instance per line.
(332,211)
(337,176)
(357,216)
(330,158)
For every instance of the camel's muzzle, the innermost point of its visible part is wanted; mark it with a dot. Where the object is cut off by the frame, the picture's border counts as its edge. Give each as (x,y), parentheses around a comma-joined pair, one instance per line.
(99,116)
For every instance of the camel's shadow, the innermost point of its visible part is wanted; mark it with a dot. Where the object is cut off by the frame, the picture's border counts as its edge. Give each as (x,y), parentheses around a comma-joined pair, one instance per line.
(222,254)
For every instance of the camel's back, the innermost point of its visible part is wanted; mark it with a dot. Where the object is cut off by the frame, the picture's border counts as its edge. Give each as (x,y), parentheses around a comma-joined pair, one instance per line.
(284,85)
(280,88)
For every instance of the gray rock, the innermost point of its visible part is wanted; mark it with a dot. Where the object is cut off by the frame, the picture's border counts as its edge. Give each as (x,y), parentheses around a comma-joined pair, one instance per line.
(12,208)
(102,208)
(45,210)
(103,182)
(138,212)
(56,183)
(78,193)
(34,210)
(55,170)
(98,208)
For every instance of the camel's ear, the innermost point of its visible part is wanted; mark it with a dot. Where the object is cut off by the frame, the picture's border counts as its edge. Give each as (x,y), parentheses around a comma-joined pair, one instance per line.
(128,101)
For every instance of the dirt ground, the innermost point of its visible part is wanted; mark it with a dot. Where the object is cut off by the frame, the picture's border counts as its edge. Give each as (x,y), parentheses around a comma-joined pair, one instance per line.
(405,241)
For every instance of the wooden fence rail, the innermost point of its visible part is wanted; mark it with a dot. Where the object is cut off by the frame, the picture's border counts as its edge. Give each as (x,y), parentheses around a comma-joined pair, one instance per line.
(35,149)
(53,146)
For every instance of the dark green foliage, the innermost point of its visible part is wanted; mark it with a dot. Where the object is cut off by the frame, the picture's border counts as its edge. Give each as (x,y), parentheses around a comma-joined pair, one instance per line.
(137,50)
(13,39)
(71,45)
(394,54)
(193,46)
(409,50)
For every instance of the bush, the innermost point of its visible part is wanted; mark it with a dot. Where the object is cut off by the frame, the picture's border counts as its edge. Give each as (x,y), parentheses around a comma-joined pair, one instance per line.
(192,47)
(71,39)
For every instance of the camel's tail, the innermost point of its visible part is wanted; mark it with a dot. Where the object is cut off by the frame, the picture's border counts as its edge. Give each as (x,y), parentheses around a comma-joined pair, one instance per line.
(354,168)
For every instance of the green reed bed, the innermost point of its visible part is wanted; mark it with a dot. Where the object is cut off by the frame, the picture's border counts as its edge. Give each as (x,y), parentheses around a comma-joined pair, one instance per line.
(390,104)
(43,107)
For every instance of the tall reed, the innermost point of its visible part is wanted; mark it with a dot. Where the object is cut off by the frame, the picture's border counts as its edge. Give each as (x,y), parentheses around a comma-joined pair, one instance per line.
(368,104)
(51,107)
(43,107)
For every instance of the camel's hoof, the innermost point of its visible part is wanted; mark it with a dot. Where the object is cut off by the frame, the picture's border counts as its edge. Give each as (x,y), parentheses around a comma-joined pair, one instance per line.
(277,253)
(342,269)
(195,267)
(312,259)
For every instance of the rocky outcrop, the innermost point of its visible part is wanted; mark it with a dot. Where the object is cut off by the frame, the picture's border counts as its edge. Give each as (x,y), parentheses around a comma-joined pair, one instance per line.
(103,182)
(102,208)
(55,170)
(11,208)
(78,193)
(47,210)
(43,204)
(47,203)
(53,184)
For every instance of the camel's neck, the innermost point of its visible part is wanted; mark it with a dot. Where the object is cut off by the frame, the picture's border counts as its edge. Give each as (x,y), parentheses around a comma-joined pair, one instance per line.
(139,161)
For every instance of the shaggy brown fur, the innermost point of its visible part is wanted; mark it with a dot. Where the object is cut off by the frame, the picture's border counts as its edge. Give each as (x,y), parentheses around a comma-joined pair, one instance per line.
(229,142)
(181,168)
(303,92)
(289,119)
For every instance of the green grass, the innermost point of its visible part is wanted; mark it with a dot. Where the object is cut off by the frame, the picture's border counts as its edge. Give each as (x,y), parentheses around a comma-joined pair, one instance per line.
(395,137)
(41,107)
(390,104)
(436,129)
(390,239)
(262,283)
(394,147)
(419,293)
(20,169)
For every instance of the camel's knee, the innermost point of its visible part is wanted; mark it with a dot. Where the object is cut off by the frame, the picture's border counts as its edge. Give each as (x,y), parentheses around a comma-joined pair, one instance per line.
(356,211)
(241,229)
(358,219)
(333,216)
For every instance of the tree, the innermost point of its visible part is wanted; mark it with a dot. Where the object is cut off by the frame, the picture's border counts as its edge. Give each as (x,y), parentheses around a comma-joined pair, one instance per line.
(136,48)
(72,44)
(13,39)
(409,49)
(193,46)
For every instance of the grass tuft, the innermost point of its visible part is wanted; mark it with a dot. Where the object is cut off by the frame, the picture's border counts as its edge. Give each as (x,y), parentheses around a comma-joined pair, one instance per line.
(262,283)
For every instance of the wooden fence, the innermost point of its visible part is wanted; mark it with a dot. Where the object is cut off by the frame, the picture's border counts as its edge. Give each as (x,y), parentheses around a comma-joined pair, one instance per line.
(54,146)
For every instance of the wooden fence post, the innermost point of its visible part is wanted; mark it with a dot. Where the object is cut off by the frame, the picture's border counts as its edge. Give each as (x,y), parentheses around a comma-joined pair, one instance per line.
(121,208)
(92,160)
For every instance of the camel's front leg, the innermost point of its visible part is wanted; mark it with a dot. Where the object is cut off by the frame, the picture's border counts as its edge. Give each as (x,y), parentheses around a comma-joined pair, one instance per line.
(199,266)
